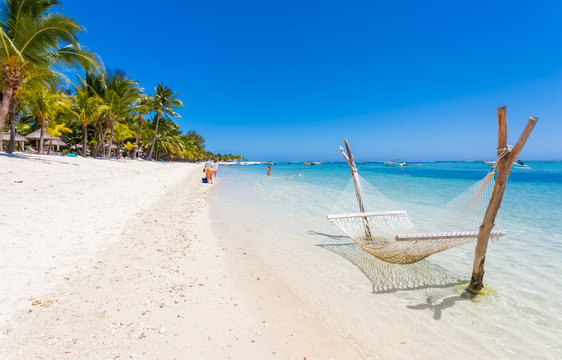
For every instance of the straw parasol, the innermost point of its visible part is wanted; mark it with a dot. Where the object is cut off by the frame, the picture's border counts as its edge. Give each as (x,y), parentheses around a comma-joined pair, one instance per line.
(34,135)
(19,138)
(56,141)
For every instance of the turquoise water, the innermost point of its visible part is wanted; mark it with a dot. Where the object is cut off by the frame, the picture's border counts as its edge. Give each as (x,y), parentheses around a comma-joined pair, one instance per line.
(286,215)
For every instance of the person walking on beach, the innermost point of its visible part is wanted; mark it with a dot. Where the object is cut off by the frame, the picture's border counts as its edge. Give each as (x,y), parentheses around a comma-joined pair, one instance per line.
(216,168)
(269,171)
(209,174)
(208,170)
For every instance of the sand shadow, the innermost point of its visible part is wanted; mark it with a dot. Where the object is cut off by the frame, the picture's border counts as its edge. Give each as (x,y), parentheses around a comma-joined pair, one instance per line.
(437,307)
(42,158)
(439,287)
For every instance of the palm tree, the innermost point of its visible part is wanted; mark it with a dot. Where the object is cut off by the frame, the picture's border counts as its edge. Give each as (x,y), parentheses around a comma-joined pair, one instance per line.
(43,103)
(85,107)
(119,98)
(141,108)
(122,133)
(163,103)
(34,39)
(54,129)
(97,85)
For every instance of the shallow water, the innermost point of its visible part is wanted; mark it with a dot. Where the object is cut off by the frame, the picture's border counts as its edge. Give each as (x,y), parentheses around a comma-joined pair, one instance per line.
(283,217)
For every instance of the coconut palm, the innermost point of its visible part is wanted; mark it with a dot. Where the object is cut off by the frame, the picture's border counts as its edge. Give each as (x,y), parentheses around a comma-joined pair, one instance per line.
(121,133)
(140,110)
(119,98)
(54,129)
(163,103)
(34,39)
(130,146)
(97,85)
(43,103)
(86,107)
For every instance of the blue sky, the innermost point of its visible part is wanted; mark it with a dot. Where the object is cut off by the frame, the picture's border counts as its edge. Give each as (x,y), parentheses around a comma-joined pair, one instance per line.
(288,80)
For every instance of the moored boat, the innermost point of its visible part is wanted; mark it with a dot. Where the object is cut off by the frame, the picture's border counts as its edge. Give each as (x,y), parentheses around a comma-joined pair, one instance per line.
(395,163)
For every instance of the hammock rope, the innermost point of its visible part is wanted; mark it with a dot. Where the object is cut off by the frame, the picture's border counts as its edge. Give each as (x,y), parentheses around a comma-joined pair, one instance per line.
(385,231)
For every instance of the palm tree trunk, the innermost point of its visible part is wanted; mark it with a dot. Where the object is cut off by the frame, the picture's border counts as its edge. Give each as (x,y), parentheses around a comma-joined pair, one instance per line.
(50,145)
(149,156)
(5,107)
(41,137)
(110,141)
(99,131)
(100,145)
(135,149)
(13,116)
(84,138)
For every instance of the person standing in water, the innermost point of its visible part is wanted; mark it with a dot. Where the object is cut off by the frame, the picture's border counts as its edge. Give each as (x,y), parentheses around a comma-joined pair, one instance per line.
(269,170)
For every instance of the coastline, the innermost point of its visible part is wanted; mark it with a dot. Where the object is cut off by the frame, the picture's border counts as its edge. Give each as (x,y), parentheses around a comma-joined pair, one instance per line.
(164,286)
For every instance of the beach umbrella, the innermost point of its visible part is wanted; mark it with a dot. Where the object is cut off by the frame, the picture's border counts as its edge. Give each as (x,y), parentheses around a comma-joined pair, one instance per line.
(37,134)
(19,138)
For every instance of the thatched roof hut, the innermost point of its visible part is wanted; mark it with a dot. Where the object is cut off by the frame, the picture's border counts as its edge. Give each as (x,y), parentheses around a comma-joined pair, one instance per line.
(37,134)
(19,138)
(56,141)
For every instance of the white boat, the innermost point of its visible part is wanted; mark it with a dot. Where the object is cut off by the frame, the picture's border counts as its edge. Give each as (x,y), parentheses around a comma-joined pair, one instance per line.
(518,164)
(395,163)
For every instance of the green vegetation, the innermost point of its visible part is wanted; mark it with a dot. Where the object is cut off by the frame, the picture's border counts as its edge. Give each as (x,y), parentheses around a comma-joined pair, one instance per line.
(105,114)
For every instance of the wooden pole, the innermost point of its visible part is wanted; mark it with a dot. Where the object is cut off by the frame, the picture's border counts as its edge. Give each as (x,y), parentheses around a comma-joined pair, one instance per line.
(357,184)
(505,159)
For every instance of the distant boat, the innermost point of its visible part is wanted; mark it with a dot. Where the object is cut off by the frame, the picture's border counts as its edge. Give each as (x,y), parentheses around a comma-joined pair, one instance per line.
(308,164)
(269,162)
(317,163)
(395,163)
(518,163)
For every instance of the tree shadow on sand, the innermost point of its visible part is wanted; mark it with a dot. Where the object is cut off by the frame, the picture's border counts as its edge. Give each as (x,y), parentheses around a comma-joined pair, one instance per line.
(439,287)
(42,158)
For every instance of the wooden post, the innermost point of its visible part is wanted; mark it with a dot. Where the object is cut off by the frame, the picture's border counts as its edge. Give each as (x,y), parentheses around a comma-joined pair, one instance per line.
(505,159)
(357,184)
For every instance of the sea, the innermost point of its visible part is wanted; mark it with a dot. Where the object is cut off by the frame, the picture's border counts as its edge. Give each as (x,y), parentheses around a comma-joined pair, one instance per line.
(282,218)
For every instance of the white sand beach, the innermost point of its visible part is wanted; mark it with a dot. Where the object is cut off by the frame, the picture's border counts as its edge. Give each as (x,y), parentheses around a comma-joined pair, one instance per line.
(117,259)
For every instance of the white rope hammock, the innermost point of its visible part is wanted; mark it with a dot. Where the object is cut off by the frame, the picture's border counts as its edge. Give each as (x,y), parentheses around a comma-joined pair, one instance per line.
(380,228)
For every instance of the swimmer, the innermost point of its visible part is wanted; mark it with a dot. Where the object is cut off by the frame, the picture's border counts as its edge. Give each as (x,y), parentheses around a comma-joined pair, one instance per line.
(269,171)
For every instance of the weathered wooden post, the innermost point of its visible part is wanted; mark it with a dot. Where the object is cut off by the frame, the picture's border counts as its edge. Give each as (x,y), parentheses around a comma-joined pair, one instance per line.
(357,184)
(506,156)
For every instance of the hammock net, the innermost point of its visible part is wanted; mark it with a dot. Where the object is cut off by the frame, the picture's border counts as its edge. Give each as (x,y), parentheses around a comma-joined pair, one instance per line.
(386,232)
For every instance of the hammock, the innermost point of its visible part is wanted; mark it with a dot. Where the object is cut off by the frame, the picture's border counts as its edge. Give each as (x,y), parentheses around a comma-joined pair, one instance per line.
(381,229)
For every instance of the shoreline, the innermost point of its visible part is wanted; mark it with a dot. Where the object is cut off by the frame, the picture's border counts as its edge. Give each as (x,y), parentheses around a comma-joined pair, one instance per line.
(168,286)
